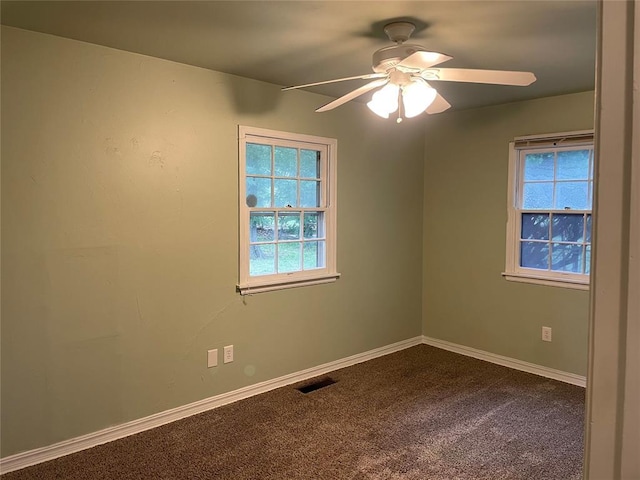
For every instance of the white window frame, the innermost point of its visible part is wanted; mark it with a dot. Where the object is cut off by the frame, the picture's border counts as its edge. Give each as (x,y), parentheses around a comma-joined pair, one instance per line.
(513,270)
(328,162)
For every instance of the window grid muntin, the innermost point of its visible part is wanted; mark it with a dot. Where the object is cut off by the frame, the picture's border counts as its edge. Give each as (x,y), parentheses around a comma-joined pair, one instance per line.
(322,194)
(584,243)
(521,157)
(321,199)
(286,210)
(519,201)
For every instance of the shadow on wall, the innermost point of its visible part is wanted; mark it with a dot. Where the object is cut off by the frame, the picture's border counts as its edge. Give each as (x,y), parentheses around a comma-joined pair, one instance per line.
(253,97)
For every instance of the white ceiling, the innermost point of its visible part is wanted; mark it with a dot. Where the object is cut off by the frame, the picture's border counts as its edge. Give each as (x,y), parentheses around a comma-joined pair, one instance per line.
(295,42)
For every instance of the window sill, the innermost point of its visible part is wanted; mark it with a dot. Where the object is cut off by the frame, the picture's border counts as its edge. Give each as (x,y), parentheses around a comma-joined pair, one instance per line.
(539,280)
(281,284)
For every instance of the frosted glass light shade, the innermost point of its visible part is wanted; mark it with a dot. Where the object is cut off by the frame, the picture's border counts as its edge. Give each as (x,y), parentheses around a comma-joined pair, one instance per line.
(385,101)
(416,98)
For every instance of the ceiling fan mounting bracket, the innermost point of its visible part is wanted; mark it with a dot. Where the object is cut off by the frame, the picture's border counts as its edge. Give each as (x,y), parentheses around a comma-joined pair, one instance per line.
(399,32)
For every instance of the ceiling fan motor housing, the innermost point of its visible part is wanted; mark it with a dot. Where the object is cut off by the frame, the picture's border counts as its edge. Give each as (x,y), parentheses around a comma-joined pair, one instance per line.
(389,57)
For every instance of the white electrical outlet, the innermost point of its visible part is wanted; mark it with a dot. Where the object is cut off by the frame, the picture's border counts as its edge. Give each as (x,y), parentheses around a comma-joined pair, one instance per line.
(212,358)
(228,354)
(546,334)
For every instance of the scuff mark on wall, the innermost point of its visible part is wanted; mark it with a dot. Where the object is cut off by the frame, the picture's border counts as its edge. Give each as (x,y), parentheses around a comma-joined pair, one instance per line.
(111,147)
(82,288)
(198,333)
(156,159)
(140,315)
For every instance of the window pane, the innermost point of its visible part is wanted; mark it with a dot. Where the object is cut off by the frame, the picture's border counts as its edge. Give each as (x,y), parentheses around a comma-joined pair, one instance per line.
(572,195)
(313,255)
(258,159)
(313,225)
(258,192)
(588,233)
(566,258)
(309,164)
(534,255)
(538,166)
(289,226)
(538,195)
(587,260)
(535,226)
(286,160)
(262,259)
(309,193)
(261,227)
(567,228)
(289,257)
(573,165)
(286,193)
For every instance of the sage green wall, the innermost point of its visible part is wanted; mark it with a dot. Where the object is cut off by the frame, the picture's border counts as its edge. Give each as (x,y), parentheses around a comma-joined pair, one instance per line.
(465,299)
(120,244)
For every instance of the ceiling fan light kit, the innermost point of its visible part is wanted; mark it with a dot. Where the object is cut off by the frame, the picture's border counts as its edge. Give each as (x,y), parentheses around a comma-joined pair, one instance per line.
(401,72)
(385,101)
(413,94)
(417,97)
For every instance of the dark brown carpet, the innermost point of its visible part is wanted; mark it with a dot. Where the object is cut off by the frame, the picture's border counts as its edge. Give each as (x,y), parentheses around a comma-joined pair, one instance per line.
(422,413)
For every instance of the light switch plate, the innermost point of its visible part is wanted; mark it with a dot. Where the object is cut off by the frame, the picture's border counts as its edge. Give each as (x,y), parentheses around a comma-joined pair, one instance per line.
(212,358)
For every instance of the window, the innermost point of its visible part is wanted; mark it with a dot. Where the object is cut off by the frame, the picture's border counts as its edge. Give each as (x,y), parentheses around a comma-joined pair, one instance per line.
(287,210)
(549,212)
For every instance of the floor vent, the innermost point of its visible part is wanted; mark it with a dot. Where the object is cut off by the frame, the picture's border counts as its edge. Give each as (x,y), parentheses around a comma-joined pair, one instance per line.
(325,382)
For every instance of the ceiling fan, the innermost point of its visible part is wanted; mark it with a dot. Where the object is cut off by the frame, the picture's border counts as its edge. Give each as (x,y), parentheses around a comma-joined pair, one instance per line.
(402,72)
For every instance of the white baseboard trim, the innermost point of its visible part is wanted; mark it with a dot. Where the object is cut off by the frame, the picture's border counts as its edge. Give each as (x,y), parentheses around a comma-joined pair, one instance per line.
(547,372)
(44,454)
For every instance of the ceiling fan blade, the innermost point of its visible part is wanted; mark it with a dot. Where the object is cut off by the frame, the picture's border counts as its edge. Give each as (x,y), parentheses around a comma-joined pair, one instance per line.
(438,105)
(497,77)
(353,94)
(358,77)
(421,60)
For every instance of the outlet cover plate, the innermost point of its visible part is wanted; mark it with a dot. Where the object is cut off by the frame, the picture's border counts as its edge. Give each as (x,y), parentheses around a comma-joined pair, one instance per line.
(228,354)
